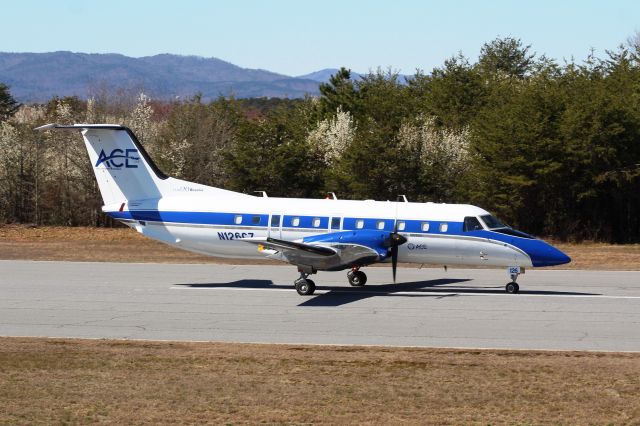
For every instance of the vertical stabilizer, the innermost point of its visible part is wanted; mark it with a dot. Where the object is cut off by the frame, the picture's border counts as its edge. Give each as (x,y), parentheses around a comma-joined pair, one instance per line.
(124,170)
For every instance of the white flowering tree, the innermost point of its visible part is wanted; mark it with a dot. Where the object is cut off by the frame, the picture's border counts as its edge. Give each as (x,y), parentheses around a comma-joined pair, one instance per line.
(139,120)
(19,165)
(441,153)
(9,169)
(332,136)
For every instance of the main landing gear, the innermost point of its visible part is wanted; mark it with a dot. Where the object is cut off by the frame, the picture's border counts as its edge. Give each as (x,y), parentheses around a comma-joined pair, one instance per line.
(304,286)
(513,286)
(356,277)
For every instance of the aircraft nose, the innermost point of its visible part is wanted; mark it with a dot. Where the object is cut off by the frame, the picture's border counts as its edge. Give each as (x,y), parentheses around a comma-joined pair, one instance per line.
(545,254)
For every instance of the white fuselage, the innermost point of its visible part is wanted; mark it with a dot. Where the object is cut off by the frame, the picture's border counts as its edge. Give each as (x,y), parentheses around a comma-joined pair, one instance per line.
(216,225)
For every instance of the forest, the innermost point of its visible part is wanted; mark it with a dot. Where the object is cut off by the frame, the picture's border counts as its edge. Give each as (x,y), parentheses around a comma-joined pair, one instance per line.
(552,148)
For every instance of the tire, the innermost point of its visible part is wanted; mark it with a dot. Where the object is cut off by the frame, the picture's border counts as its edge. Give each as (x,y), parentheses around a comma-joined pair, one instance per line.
(305,287)
(357,278)
(512,288)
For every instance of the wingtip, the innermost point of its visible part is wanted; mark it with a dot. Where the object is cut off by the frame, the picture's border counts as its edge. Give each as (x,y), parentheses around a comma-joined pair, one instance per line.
(46,127)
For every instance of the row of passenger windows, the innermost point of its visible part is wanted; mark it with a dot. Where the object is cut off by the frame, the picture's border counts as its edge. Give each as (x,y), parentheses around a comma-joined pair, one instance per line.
(316,222)
(470,223)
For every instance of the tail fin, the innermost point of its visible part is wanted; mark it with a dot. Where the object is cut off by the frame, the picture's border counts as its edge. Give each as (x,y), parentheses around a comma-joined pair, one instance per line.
(124,170)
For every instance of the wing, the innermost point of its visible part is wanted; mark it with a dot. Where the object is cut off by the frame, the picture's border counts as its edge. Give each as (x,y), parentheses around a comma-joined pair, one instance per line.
(321,257)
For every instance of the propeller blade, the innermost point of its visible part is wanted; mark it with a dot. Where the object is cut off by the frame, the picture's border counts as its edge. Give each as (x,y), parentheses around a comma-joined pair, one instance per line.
(395,240)
(394,261)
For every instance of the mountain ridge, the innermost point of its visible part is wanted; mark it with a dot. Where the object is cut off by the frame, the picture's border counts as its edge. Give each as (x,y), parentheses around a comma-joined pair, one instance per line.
(323,75)
(37,77)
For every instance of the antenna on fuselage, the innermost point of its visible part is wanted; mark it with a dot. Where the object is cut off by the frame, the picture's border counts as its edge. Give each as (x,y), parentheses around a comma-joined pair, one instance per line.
(263,193)
(331,196)
(403,198)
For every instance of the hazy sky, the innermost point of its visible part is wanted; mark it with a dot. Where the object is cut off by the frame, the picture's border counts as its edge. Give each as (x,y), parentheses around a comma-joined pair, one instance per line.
(296,37)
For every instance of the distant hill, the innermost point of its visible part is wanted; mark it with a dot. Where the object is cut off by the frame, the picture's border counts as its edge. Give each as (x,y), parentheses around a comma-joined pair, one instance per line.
(323,76)
(36,77)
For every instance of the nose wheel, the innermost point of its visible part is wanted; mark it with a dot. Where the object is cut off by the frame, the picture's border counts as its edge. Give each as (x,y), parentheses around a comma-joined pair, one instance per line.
(512,288)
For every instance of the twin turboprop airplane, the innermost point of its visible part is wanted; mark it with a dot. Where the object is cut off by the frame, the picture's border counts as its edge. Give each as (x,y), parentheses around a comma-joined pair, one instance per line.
(314,235)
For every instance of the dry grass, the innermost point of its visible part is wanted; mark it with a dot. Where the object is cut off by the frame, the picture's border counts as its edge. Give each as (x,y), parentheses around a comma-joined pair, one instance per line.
(82,381)
(125,245)
(621,257)
(95,245)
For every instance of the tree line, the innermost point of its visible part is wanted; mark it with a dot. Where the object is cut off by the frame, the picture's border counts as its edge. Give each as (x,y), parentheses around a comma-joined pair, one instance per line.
(551,148)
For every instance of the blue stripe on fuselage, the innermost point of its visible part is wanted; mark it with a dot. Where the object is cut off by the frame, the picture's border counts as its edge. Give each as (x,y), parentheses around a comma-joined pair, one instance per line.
(541,253)
(304,222)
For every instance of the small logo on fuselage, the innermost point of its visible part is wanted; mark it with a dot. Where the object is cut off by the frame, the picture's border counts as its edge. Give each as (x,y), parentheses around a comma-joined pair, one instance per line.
(412,246)
(119,158)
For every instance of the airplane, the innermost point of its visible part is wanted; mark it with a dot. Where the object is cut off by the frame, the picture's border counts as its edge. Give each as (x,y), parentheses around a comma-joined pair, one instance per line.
(312,234)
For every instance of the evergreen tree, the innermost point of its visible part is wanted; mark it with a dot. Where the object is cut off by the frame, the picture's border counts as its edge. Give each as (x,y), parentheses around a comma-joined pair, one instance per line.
(8,105)
(339,92)
(452,93)
(272,154)
(506,57)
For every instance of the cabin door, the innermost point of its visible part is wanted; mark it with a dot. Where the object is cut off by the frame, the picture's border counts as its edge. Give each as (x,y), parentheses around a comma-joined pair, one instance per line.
(275,225)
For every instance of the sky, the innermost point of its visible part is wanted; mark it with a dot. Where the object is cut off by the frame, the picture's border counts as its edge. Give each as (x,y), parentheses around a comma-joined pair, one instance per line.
(298,37)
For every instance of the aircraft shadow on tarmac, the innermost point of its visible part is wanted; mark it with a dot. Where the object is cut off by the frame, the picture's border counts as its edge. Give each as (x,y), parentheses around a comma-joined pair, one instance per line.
(342,295)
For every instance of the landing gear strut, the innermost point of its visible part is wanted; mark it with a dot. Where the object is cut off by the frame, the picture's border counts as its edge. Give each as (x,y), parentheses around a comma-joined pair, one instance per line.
(513,286)
(356,277)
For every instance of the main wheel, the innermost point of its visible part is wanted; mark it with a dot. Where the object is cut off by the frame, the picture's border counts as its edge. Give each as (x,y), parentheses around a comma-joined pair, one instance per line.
(357,278)
(512,288)
(305,287)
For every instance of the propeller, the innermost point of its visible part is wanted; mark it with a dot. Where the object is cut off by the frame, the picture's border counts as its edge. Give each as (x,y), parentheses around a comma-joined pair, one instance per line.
(393,242)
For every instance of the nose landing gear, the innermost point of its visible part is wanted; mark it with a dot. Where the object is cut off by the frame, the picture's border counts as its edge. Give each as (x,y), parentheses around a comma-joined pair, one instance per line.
(513,287)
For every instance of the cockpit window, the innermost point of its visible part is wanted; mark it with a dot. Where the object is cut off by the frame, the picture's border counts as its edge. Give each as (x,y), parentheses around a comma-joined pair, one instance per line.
(471,223)
(513,232)
(495,225)
(492,222)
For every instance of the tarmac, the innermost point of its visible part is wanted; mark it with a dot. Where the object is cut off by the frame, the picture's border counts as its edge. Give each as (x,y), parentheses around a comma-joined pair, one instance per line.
(461,308)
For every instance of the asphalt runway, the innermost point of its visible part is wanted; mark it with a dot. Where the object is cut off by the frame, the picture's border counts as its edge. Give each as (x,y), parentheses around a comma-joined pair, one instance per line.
(569,310)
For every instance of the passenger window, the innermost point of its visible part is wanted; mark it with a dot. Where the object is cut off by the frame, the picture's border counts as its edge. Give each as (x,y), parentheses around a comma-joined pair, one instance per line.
(401,225)
(444,227)
(316,222)
(275,220)
(425,226)
(255,220)
(359,223)
(295,221)
(335,223)
(380,224)
(471,223)
(237,219)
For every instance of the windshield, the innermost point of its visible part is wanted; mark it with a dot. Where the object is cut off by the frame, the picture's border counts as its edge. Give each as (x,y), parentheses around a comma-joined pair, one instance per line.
(492,222)
(496,226)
